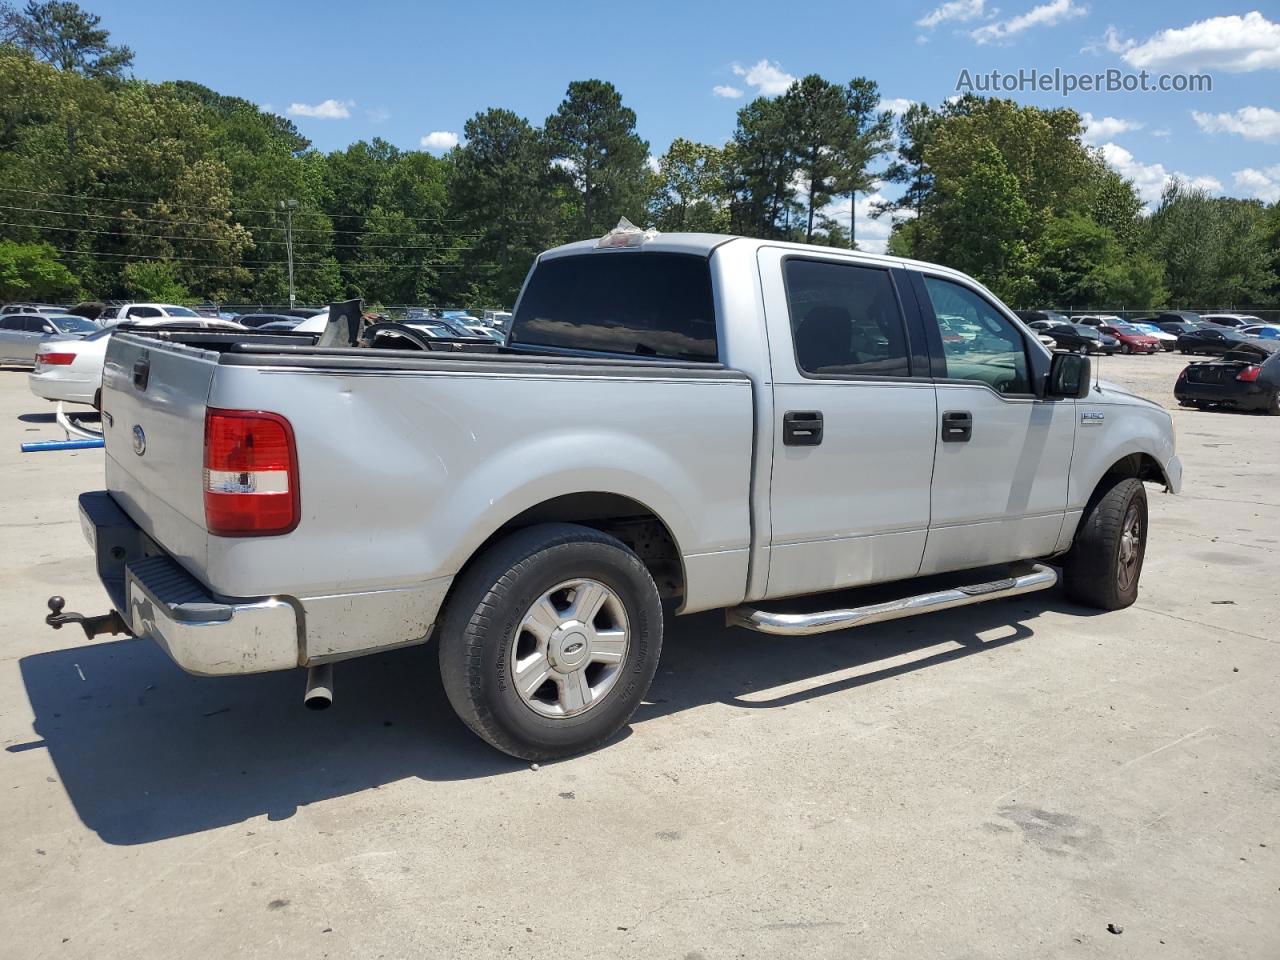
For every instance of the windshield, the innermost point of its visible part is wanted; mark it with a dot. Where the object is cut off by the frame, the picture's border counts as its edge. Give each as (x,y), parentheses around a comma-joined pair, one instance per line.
(1126,328)
(75,324)
(180,312)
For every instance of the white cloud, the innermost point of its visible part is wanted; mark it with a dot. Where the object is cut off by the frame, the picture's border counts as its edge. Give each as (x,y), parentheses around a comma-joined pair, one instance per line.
(1149,179)
(1162,133)
(1045,15)
(960,10)
(896,105)
(1263,184)
(324,110)
(768,78)
(440,140)
(1235,44)
(1252,123)
(1098,129)
(653,163)
(379,115)
(726,91)
(266,108)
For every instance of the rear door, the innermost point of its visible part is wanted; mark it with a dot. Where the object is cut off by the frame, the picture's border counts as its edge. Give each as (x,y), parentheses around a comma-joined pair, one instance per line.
(854,445)
(1000,472)
(13,337)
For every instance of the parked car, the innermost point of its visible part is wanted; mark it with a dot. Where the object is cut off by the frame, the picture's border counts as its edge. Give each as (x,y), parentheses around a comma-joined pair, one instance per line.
(283,324)
(1180,316)
(1131,339)
(70,370)
(1211,340)
(1230,319)
(253,320)
(1178,327)
(1078,337)
(836,444)
(1168,341)
(47,309)
(1050,316)
(1261,331)
(1242,380)
(147,312)
(22,333)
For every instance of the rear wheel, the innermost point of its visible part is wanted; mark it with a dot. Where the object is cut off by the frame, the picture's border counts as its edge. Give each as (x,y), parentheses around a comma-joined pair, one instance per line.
(1104,564)
(1274,408)
(550,641)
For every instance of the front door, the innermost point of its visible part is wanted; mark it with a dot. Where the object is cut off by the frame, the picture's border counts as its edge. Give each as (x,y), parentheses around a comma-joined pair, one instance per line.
(1003,456)
(854,442)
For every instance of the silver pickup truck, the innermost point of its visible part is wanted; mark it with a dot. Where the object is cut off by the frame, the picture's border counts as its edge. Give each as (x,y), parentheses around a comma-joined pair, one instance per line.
(683,422)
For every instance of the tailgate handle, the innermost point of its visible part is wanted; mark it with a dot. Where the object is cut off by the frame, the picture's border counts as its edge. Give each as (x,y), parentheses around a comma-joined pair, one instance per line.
(141,372)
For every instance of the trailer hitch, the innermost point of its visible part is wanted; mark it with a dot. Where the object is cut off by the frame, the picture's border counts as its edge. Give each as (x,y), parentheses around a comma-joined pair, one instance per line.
(111,623)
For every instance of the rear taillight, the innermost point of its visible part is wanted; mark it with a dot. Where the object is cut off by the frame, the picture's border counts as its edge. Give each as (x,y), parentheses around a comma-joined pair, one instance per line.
(250,474)
(54,359)
(1249,373)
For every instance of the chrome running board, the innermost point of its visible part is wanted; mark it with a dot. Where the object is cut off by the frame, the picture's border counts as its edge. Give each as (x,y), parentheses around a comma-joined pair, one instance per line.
(1039,577)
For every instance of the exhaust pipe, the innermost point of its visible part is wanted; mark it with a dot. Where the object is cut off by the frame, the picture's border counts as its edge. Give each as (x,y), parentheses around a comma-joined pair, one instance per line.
(319,693)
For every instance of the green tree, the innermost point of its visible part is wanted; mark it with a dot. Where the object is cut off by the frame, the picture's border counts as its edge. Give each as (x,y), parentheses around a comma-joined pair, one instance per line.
(818,128)
(868,135)
(154,280)
(31,271)
(691,188)
(66,36)
(760,170)
(594,137)
(503,197)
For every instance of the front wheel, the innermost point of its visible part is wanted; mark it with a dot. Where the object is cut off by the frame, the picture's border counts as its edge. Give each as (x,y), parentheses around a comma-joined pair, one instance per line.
(550,641)
(1105,562)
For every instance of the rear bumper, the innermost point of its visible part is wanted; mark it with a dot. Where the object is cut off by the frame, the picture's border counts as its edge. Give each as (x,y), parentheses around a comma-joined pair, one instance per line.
(61,388)
(1242,396)
(204,634)
(210,634)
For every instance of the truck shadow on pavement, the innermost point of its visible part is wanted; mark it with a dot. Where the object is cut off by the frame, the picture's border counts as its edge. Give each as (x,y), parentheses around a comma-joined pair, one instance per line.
(147,752)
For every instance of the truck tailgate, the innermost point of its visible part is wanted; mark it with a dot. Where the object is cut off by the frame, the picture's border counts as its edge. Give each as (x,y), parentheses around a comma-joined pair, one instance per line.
(153,402)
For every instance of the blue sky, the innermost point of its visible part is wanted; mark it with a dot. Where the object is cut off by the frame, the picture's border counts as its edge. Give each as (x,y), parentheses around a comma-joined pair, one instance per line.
(407,71)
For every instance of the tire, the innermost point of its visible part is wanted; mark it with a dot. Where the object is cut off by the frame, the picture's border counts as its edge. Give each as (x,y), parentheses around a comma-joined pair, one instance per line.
(498,615)
(1126,349)
(1104,565)
(1273,409)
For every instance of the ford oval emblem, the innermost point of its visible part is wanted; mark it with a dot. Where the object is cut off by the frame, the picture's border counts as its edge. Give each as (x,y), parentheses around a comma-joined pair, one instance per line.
(139,440)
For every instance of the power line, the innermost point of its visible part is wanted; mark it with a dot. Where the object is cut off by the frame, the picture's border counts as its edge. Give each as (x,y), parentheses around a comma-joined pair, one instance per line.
(202,223)
(169,236)
(197,206)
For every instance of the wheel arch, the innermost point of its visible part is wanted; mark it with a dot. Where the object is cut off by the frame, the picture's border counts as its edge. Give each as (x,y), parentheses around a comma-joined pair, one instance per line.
(636,524)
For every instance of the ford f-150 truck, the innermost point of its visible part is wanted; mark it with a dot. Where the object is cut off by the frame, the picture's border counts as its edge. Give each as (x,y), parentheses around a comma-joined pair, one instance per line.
(683,421)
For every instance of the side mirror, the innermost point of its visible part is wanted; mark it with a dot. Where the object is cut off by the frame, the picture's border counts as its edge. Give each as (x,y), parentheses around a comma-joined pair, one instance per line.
(1069,375)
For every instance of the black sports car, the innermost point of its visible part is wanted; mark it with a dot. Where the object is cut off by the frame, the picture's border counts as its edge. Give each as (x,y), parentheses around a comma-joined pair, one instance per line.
(1243,380)
(1077,337)
(1213,341)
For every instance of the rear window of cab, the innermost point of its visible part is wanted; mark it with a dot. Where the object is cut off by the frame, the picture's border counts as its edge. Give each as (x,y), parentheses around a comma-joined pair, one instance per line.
(629,303)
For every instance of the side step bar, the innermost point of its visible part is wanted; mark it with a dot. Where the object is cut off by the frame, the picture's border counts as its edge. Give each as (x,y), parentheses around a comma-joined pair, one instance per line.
(1039,577)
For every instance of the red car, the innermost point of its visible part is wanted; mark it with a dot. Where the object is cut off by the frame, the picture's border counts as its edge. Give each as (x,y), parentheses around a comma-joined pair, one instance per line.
(1132,340)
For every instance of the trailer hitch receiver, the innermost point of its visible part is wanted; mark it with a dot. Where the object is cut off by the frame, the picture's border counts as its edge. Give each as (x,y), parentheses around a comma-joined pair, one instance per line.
(111,623)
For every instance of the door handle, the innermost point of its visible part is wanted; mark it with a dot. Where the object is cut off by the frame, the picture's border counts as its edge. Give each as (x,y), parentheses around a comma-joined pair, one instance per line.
(141,372)
(957,426)
(802,428)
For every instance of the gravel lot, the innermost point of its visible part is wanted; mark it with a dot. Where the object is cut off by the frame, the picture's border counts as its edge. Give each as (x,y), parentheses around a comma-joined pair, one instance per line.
(1002,781)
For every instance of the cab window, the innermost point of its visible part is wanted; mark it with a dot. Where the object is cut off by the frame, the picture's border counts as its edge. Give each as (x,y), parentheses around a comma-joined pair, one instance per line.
(845,320)
(997,355)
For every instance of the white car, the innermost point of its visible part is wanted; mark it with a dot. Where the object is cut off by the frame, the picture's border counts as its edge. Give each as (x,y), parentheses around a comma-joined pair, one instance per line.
(1169,341)
(146,313)
(71,370)
(1231,319)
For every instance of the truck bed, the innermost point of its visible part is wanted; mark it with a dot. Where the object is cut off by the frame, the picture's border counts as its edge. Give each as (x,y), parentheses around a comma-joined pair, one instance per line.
(408,461)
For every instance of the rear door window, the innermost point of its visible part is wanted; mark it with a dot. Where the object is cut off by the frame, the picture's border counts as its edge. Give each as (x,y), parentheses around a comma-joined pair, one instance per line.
(845,320)
(631,303)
